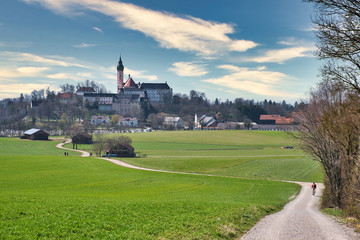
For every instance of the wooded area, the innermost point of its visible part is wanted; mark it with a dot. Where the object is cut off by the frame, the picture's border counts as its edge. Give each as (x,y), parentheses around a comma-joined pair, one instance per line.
(330,121)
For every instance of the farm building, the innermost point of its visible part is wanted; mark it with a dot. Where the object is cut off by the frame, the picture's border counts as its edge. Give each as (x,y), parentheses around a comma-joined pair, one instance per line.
(125,150)
(35,134)
(82,138)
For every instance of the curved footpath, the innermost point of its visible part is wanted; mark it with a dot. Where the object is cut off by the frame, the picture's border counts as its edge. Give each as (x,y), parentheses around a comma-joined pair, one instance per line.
(300,219)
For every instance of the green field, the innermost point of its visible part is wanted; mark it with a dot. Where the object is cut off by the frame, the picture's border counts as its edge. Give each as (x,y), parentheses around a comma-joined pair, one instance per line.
(245,154)
(45,195)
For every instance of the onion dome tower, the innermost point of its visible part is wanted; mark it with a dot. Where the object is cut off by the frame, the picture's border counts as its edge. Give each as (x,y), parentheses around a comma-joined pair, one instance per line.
(120,75)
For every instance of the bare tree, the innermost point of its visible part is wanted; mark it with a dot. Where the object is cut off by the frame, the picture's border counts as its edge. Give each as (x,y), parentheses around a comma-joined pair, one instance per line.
(317,139)
(99,144)
(338,28)
(338,25)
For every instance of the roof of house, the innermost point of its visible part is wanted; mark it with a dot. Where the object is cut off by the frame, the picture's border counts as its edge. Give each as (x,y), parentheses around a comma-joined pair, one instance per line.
(130,83)
(154,86)
(283,121)
(66,95)
(33,131)
(85,89)
(269,117)
(172,119)
(279,120)
(207,121)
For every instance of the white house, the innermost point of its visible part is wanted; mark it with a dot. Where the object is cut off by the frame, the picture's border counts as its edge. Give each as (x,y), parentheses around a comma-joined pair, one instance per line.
(177,122)
(97,120)
(128,122)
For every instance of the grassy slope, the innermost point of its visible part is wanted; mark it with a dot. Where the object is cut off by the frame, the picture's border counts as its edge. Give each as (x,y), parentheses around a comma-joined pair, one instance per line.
(246,154)
(48,195)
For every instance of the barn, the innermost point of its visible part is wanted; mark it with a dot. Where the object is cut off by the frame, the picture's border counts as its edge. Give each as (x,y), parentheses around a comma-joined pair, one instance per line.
(124,150)
(81,138)
(35,134)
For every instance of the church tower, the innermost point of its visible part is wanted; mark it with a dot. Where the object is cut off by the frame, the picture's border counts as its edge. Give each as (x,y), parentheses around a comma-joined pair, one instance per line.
(120,75)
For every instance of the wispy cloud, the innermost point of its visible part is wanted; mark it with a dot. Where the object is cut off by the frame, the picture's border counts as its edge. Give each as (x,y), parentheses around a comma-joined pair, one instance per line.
(15,44)
(22,72)
(282,55)
(139,74)
(85,75)
(188,69)
(170,31)
(260,82)
(60,76)
(84,45)
(97,29)
(14,89)
(48,60)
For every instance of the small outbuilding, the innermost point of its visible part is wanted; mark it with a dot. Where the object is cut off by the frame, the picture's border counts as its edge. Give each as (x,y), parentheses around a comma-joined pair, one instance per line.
(35,134)
(124,150)
(81,138)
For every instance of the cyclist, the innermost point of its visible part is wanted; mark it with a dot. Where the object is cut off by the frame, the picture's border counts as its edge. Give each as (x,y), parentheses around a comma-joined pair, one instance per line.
(313,186)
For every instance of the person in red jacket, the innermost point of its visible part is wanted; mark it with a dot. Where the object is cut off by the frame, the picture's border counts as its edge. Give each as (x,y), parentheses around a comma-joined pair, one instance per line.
(313,187)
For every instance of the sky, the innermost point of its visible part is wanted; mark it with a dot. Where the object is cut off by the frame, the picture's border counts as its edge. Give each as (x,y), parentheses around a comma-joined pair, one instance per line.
(251,49)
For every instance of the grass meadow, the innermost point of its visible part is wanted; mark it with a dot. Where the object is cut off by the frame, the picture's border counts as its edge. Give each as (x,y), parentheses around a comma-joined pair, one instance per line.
(46,195)
(245,154)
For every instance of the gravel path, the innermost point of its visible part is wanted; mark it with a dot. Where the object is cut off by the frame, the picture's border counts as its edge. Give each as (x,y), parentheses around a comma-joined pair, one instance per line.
(83,153)
(300,219)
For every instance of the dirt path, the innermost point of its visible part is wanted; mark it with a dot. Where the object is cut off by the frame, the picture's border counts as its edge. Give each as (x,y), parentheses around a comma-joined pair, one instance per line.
(83,153)
(300,219)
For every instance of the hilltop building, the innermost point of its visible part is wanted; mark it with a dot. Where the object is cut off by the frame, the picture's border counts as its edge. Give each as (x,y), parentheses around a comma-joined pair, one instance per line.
(129,95)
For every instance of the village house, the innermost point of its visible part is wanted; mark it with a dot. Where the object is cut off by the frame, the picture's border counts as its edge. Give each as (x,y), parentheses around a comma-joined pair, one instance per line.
(276,122)
(128,122)
(177,122)
(102,119)
(81,90)
(66,98)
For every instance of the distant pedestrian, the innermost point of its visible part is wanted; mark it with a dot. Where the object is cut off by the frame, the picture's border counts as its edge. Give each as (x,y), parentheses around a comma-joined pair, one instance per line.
(313,186)
(90,154)
(64,153)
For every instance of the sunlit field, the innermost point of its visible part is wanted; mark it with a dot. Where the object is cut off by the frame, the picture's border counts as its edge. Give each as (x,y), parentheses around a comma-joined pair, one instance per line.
(45,194)
(246,154)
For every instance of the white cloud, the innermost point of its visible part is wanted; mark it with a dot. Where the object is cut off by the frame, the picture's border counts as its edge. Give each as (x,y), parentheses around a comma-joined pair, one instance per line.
(97,29)
(21,72)
(138,74)
(84,45)
(230,67)
(49,60)
(14,89)
(282,55)
(60,76)
(188,69)
(84,74)
(170,31)
(259,82)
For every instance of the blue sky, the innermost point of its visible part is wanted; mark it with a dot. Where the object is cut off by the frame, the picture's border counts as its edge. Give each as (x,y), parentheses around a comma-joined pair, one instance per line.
(253,49)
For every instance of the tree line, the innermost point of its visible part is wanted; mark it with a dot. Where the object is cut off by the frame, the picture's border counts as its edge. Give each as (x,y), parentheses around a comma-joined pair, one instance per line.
(52,114)
(330,121)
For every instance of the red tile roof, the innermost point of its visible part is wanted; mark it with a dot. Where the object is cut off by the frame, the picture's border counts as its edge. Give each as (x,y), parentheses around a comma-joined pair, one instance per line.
(130,83)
